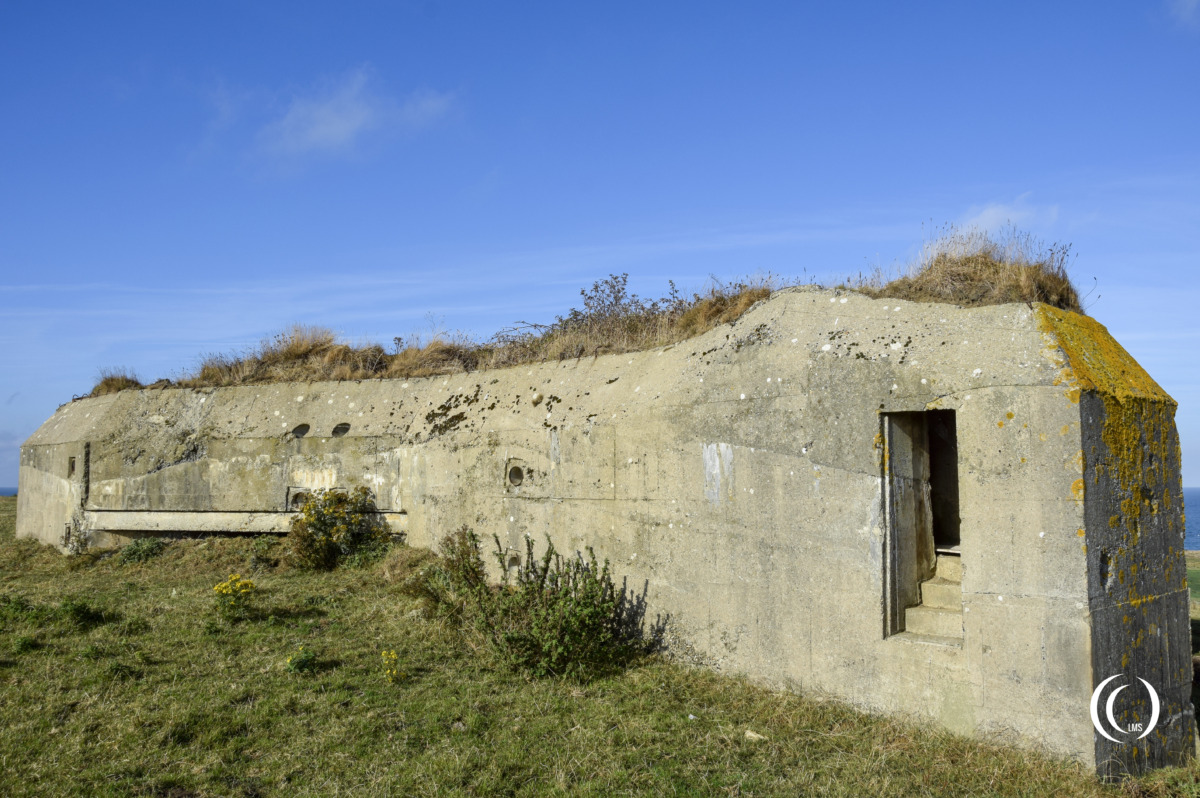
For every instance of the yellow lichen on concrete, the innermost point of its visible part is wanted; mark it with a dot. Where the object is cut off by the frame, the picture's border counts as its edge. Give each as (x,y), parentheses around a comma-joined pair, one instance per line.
(1095,360)
(1138,411)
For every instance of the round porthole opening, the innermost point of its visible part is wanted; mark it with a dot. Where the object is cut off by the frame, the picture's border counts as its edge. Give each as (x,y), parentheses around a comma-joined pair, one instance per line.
(298,500)
(301,430)
(515,476)
(341,429)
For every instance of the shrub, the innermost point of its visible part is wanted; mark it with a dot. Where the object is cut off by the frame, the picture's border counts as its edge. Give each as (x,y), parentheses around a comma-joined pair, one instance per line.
(113,380)
(233,597)
(82,615)
(141,550)
(16,608)
(334,525)
(23,643)
(972,267)
(556,616)
(455,582)
(261,557)
(71,612)
(304,660)
(391,668)
(611,320)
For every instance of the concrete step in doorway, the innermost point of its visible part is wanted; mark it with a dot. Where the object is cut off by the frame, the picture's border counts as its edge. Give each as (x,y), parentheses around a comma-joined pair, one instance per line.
(940,613)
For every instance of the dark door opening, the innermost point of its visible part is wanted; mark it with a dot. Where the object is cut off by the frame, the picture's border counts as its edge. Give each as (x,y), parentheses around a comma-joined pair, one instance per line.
(943,478)
(921,506)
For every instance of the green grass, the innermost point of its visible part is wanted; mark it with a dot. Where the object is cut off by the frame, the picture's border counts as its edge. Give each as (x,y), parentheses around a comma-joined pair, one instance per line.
(120,679)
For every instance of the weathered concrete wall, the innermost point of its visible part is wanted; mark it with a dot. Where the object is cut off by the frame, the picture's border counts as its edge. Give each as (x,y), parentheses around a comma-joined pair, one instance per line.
(739,479)
(1133,519)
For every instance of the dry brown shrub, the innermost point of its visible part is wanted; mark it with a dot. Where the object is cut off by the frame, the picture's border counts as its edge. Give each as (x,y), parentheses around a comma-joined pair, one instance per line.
(296,343)
(437,357)
(403,562)
(972,268)
(114,380)
(337,354)
(719,308)
(612,320)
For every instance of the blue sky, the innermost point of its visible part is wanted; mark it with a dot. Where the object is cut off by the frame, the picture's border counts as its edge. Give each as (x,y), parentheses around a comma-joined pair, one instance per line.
(178,179)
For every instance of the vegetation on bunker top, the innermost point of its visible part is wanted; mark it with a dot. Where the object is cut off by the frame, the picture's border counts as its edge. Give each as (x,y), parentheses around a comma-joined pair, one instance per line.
(966,267)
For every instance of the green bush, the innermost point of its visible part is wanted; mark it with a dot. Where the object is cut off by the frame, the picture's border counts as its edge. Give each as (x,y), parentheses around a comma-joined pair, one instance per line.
(304,660)
(335,526)
(141,550)
(555,616)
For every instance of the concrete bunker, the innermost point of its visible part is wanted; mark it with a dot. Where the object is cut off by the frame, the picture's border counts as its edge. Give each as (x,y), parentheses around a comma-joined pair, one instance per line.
(971,516)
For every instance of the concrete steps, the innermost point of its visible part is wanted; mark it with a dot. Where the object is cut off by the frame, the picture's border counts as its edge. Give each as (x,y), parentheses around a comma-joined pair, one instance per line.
(939,615)
(942,594)
(949,567)
(933,621)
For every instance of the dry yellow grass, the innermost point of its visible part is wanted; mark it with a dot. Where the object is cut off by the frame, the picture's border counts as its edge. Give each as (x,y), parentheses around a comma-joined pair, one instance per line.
(971,268)
(963,267)
(113,380)
(611,321)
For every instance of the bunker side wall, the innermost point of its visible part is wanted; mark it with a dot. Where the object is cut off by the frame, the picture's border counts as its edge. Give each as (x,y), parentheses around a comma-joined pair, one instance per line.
(735,480)
(48,500)
(1138,580)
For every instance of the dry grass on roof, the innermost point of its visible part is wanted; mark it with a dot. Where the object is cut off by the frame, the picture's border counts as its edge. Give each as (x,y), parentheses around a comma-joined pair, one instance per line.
(971,267)
(612,320)
(113,380)
(962,267)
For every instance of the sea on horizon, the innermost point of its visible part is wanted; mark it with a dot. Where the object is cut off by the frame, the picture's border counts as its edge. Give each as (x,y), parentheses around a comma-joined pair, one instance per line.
(1191,507)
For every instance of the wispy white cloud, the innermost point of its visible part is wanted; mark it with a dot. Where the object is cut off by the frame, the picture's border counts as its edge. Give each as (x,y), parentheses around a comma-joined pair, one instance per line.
(1020,212)
(423,108)
(337,115)
(225,107)
(1186,12)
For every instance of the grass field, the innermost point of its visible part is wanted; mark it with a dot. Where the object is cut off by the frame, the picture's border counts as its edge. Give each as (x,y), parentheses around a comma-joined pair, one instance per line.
(122,679)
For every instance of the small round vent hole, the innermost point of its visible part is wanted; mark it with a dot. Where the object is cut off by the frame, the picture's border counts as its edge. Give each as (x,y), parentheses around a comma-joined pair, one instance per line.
(341,429)
(515,476)
(301,430)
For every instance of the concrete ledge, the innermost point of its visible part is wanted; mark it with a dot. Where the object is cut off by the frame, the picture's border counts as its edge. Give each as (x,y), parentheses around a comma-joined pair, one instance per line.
(212,522)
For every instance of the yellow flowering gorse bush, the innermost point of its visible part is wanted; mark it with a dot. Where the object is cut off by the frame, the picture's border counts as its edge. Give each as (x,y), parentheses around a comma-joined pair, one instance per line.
(233,596)
(303,660)
(391,670)
(333,524)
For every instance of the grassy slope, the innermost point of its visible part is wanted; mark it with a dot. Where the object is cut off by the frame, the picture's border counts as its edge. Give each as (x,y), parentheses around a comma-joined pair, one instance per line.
(157,697)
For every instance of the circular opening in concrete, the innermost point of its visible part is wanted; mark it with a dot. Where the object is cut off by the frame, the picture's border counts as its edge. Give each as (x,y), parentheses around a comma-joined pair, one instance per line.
(514,563)
(298,500)
(341,429)
(301,430)
(515,476)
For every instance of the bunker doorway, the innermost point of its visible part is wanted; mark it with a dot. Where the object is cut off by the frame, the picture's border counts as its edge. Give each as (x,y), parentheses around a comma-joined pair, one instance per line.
(922,512)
